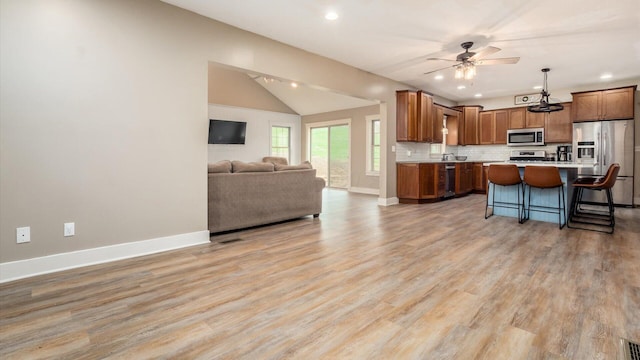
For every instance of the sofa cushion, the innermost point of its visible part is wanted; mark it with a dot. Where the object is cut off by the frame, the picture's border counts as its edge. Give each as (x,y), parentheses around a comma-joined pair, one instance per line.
(223,166)
(303,166)
(240,167)
(275,160)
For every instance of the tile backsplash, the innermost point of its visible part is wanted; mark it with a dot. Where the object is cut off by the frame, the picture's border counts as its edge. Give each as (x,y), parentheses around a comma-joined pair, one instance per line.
(422,151)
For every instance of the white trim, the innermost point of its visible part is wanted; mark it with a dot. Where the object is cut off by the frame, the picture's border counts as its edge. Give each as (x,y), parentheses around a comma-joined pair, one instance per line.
(273,124)
(369,143)
(15,270)
(309,126)
(388,201)
(363,190)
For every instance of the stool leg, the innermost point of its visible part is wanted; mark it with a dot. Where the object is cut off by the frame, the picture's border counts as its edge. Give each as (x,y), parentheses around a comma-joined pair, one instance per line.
(561,193)
(486,208)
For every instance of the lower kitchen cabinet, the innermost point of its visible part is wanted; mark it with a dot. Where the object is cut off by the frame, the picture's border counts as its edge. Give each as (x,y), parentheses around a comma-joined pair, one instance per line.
(480,175)
(464,178)
(420,182)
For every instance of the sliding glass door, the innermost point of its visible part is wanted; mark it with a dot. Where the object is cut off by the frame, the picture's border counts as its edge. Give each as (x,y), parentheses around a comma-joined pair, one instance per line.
(329,153)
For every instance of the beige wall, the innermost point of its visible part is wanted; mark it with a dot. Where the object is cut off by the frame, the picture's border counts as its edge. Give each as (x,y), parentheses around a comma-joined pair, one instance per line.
(359,178)
(103,117)
(235,88)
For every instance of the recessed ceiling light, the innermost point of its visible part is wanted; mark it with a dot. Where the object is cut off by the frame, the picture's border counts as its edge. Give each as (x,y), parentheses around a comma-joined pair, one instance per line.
(537,87)
(294,85)
(478,95)
(331,15)
(460,87)
(438,77)
(606,76)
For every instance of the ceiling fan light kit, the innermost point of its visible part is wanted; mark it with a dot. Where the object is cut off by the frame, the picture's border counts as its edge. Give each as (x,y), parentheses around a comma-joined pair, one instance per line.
(545,105)
(468,61)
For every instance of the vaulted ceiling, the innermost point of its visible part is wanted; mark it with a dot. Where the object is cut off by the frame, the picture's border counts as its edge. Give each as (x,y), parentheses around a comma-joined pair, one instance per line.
(580,40)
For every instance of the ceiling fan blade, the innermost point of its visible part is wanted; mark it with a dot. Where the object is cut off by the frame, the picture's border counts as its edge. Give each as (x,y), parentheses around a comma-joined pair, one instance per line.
(484,53)
(439,59)
(511,60)
(432,71)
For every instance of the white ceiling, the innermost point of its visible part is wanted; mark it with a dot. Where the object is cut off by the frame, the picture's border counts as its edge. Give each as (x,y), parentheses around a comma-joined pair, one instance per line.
(578,39)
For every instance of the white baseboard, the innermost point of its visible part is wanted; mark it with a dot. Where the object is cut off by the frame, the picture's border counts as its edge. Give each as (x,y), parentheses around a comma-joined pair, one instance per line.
(20,269)
(388,201)
(361,190)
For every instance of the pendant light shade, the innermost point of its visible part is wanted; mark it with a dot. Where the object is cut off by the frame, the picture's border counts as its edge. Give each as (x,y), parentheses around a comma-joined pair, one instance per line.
(545,105)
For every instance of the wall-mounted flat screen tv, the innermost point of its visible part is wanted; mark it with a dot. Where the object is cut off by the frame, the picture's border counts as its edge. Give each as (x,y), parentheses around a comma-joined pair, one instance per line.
(226,132)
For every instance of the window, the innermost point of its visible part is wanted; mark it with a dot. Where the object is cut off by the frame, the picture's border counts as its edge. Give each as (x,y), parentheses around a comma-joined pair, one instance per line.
(373,145)
(281,141)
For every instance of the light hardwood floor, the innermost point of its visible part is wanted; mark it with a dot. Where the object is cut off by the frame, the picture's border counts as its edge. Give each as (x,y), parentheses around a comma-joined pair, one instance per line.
(432,281)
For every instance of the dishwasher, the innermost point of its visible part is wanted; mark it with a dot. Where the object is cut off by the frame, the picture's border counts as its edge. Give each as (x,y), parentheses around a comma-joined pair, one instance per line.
(449,180)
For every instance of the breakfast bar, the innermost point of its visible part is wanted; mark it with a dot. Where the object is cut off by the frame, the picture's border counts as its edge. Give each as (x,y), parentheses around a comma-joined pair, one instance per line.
(543,197)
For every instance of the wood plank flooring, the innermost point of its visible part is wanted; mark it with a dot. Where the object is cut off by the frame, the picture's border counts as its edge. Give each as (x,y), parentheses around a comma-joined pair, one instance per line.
(431,281)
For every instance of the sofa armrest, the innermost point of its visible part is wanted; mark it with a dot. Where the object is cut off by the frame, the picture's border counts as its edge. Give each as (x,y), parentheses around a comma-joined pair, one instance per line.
(319,184)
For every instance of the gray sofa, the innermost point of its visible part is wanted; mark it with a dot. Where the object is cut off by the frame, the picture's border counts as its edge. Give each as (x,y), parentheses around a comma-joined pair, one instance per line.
(242,195)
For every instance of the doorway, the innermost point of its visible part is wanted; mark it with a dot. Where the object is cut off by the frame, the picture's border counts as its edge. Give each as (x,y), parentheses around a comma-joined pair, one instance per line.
(329,151)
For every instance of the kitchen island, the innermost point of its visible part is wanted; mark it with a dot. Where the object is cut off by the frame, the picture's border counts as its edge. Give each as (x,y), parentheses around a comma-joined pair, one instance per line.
(542,197)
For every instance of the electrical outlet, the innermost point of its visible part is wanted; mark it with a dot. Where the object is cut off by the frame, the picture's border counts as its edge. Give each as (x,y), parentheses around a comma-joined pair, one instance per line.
(409,153)
(23,234)
(69,229)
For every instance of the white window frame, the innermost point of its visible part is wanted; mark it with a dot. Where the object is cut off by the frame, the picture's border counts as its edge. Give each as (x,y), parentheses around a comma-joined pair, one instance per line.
(271,140)
(369,146)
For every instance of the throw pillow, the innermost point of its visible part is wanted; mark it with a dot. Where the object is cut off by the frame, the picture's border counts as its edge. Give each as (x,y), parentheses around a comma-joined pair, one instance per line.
(276,160)
(303,166)
(240,167)
(223,166)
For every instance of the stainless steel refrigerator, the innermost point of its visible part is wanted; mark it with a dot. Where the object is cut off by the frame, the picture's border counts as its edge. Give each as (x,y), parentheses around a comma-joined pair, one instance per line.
(603,143)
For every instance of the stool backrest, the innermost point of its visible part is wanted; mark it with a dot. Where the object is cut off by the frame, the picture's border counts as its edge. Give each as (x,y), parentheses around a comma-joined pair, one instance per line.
(502,174)
(610,178)
(542,176)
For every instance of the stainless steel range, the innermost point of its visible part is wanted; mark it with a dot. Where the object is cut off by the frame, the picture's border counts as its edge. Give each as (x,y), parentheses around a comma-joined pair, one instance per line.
(529,155)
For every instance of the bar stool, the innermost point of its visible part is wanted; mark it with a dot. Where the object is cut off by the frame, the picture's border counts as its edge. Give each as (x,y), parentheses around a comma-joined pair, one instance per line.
(545,177)
(599,218)
(505,175)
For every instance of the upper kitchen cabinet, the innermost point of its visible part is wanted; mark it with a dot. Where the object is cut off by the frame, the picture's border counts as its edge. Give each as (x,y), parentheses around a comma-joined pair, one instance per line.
(558,127)
(534,120)
(611,104)
(492,127)
(468,125)
(517,117)
(437,122)
(406,115)
(414,116)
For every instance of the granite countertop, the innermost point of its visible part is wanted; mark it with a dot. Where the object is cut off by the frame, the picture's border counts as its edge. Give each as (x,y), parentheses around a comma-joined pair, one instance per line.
(558,164)
(436,161)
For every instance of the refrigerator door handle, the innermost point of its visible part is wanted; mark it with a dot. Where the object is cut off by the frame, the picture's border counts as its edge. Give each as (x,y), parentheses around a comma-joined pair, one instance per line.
(604,150)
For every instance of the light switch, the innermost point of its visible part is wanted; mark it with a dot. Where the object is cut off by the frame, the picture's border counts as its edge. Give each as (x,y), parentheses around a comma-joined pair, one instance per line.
(69,229)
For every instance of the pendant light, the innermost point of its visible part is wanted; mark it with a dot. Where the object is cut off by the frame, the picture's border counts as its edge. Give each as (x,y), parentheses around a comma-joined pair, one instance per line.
(545,105)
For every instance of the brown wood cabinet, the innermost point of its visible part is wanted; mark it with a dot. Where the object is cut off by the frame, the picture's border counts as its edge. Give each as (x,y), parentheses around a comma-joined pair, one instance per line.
(480,175)
(517,117)
(415,117)
(418,182)
(610,104)
(436,123)
(492,127)
(464,178)
(406,115)
(534,120)
(468,125)
(558,127)
(425,117)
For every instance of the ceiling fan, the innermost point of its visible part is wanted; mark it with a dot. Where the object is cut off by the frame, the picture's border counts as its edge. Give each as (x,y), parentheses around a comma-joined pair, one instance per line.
(466,62)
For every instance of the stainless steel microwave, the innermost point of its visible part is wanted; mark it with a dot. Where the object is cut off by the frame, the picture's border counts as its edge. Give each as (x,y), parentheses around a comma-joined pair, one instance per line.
(525,137)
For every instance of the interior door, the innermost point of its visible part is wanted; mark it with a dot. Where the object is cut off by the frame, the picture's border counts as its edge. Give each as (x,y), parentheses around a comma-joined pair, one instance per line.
(329,153)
